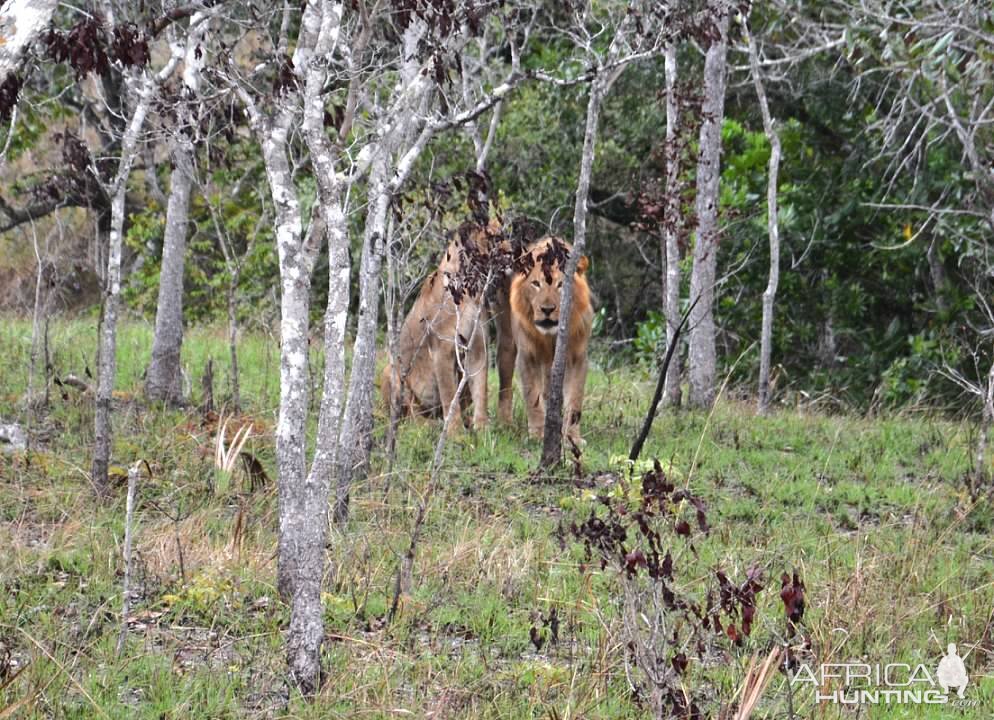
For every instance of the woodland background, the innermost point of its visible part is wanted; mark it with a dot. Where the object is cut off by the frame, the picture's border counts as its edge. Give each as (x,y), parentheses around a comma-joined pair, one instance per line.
(213,216)
(884,231)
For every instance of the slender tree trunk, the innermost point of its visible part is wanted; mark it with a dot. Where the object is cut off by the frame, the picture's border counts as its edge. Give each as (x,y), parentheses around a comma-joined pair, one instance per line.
(385,178)
(671,229)
(356,438)
(310,524)
(236,395)
(552,442)
(129,515)
(48,363)
(107,348)
(302,516)
(36,321)
(702,355)
(163,380)
(770,294)
(293,557)
(303,511)
(827,345)
(295,286)
(395,317)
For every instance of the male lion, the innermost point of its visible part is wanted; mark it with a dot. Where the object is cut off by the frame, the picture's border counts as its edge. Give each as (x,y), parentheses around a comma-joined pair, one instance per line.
(534,322)
(449,314)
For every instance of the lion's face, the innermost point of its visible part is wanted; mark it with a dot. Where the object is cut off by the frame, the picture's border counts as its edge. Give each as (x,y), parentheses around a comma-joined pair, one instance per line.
(465,264)
(540,288)
(535,321)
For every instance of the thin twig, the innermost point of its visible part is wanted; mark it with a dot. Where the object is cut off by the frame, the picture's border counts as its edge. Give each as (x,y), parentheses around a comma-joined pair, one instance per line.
(660,385)
(128,517)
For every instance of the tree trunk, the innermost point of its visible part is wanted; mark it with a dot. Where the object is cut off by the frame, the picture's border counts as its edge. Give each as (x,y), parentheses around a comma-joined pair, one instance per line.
(394,307)
(40,309)
(702,355)
(164,381)
(827,350)
(356,438)
(385,178)
(107,346)
(310,528)
(552,440)
(300,546)
(236,395)
(106,350)
(21,22)
(671,229)
(769,295)
(295,286)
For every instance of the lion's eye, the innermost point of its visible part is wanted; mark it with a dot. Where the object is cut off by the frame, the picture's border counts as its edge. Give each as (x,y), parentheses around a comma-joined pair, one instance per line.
(559,284)
(536,283)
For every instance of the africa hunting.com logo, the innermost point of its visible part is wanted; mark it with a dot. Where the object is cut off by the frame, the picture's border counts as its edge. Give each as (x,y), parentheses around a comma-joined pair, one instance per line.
(891,683)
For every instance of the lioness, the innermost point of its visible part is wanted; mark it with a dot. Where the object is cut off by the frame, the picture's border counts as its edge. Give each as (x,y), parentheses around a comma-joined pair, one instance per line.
(448,313)
(534,322)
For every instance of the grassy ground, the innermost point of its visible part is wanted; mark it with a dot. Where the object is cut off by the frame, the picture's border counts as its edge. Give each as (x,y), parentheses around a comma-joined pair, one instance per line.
(870,511)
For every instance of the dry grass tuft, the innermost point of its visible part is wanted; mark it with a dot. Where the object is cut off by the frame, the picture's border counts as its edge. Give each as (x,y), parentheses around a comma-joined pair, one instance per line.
(170,548)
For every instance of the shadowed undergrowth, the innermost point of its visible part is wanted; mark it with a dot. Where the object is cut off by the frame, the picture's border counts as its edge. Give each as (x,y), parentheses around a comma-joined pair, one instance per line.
(871,512)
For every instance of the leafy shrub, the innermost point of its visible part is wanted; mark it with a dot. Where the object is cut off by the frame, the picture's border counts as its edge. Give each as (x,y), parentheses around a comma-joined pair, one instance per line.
(680,621)
(650,338)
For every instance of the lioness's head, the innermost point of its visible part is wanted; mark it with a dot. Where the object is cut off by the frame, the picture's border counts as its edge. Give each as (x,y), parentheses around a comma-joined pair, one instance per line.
(540,281)
(467,258)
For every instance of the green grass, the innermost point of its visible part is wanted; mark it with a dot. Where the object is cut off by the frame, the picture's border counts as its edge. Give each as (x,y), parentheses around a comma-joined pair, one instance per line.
(871,512)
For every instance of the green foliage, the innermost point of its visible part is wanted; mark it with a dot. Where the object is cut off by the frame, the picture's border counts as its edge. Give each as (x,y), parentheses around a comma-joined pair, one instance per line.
(239,222)
(198,599)
(650,338)
(144,235)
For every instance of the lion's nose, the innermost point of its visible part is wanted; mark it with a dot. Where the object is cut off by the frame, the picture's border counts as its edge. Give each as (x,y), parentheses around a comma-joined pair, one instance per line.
(547,309)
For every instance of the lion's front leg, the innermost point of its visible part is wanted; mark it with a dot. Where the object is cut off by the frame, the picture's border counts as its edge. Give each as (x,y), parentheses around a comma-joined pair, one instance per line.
(443,360)
(533,389)
(575,382)
(476,365)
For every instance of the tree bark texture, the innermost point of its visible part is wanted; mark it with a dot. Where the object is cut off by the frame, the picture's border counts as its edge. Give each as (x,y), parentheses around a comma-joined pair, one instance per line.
(356,438)
(937,272)
(671,234)
(702,354)
(295,287)
(773,227)
(21,22)
(309,524)
(163,380)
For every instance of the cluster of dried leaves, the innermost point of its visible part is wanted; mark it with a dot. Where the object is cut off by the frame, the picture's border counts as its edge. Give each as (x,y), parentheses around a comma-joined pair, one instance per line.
(684,617)
(89,46)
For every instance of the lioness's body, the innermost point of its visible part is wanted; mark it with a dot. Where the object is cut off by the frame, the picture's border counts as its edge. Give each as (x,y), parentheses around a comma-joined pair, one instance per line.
(533,320)
(426,362)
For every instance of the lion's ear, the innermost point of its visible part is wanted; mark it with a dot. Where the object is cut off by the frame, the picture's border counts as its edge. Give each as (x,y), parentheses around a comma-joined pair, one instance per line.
(582,264)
